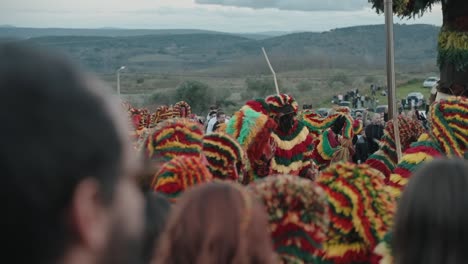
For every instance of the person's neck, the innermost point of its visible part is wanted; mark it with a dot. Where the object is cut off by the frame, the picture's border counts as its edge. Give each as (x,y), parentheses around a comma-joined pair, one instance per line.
(78,255)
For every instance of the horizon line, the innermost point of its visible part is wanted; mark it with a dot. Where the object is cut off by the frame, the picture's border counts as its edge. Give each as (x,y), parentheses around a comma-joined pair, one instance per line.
(201,29)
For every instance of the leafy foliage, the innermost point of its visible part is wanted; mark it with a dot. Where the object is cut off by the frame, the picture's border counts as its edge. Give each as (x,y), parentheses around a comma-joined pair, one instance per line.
(406,8)
(453,48)
(160,98)
(340,77)
(261,87)
(305,86)
(197,94)
(370,79)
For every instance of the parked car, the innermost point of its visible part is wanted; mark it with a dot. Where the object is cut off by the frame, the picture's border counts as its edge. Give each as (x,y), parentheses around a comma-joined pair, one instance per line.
(430,82)
(418,99)
(358,111)
(345,103)
(381,109)
(323,111)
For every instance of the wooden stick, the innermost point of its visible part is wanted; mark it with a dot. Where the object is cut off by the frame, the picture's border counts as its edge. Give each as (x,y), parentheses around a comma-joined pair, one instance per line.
(272,71)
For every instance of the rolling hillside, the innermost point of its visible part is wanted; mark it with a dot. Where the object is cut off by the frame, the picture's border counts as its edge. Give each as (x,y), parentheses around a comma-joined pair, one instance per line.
(180,51)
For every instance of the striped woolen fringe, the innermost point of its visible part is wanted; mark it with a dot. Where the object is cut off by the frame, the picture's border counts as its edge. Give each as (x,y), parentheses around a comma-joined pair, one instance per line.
(424,150)
(298,216)
(361,212)
(173,138)
(293,153)
(179,106)
(313,122)
(385,159)
(224,154)
(276,102)
(251,127)
(448,137)
(449,125)
(177,175)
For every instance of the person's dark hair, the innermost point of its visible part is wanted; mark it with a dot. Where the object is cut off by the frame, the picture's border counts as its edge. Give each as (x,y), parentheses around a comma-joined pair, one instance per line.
(56,131)
(220,113)
(216,223)
(338,125)
(156,211)
(431,221)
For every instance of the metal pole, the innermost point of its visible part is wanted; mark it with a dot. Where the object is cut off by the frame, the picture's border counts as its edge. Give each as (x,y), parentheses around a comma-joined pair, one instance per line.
(392,106)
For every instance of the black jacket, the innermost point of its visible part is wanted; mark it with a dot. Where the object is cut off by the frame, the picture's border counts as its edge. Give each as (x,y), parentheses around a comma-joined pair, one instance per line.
(374,133)
(361,149)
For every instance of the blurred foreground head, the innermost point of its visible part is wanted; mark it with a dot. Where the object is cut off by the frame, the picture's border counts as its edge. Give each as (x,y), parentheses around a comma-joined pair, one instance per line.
(156,211)
(216,223)
(67,169)
(430,224)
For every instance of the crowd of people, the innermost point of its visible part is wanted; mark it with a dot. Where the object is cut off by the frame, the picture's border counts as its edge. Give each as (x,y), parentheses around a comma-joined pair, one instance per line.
(271,184)
(355,98)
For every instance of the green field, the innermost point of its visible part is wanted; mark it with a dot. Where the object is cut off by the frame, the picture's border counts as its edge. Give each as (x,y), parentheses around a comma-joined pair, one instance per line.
(312,86)
(403,90)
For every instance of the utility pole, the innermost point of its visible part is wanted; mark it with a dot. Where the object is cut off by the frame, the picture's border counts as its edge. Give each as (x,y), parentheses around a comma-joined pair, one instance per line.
(118,79)
(392,106)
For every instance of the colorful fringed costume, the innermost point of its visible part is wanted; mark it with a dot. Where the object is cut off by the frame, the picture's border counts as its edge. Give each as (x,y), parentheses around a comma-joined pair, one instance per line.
(361,212)
(358,127)
(447,137)
(173,138)
(341,109)
(140,120)
(182,109)
(252,128)
(335,143)
(179,174)
(294,144)
(139,117)
(226,158)
(298,216)
(383,250)
(385,159)
(313,122)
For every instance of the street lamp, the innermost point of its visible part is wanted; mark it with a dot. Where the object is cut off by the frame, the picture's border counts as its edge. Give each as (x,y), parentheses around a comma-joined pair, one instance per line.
(118,79)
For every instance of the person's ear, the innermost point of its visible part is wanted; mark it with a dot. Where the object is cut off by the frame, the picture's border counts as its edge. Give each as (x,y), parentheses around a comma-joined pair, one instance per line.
(89,217)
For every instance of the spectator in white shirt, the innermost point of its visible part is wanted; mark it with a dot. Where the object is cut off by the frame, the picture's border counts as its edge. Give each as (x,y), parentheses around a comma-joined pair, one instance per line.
(211,123)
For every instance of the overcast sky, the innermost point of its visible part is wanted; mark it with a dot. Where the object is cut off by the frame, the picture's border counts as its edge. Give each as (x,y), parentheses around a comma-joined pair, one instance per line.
(221,15)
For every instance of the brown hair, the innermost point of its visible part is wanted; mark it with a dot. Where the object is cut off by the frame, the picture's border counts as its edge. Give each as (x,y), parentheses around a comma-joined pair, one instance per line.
(216,223)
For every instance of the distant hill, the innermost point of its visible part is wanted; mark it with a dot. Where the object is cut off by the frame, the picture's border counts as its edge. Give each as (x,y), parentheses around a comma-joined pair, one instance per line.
(7,31)
(184,50)
(414,44)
